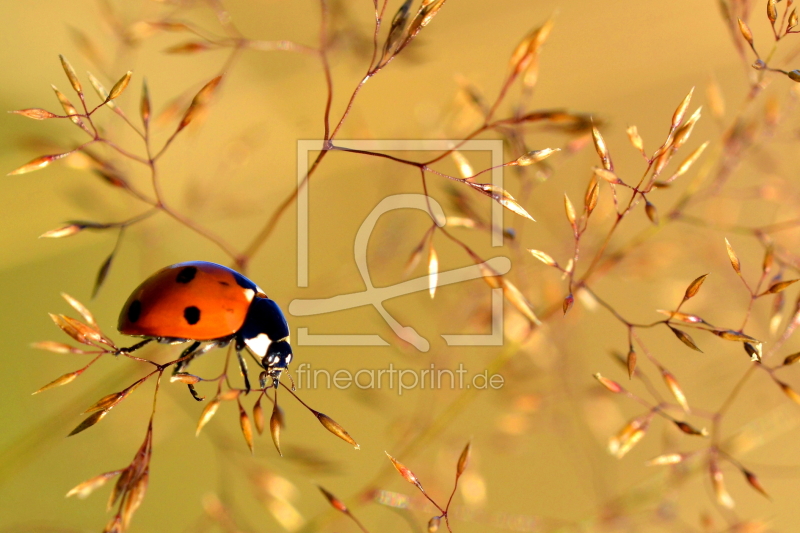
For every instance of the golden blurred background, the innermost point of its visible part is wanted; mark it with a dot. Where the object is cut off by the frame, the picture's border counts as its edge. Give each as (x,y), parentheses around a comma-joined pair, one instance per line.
(539,458)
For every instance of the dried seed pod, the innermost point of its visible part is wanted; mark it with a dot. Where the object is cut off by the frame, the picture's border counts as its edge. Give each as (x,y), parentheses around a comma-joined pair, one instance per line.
(746,33)
(789,392)
(106,403)
(70,72)
(200,100)
(630,362)
(791,359)
(570,210)
(535,156)
(63,231)
(690,429)
(38,163)
(611,385)
(609,176)
(502,197)
(91,334)
(772,11)
(684,131)
(80,308)
(602,150)
(755,483)
(666,459)
(463,164)
(685,338)
(189,47)
(69,109)
(779,286)
(102,273)
(55,347)
(91,420)
(433,271)
(247,428)
(543,257)
(635,138)
(753,350)
(731,335)
(120,86)
(84,489)
(258,416)
(407,474)
(335,502)
(35,113)
(675,389)
(100,90)
(661,160)
(518,300)
(769,260)
(209,411)
(134,498)
(332,426)
(688,162)
(651,211)
(461,465)
(732,256)
(694,286)
(683,317)
(68,328)
(275,427)
(69,377)
(680,111)
(592,197)
(566,305)
(399,22)
(620,444)
(718,482)
(144,105)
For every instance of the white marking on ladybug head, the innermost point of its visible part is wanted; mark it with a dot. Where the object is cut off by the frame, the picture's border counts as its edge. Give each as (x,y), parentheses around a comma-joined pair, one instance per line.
(258,344)
(249,294)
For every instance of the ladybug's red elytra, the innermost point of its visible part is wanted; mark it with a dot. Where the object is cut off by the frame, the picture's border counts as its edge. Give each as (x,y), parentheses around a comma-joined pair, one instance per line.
(203,302)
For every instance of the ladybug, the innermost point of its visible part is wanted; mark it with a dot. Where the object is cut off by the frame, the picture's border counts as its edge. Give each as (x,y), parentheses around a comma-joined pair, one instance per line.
(210,305)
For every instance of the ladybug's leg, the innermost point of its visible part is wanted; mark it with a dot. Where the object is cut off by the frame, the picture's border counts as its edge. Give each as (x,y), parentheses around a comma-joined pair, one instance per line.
(186,357)
(133,348)
(243,368)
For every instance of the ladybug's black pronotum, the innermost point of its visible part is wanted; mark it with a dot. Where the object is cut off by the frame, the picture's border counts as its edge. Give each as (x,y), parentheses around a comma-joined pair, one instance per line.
(201,302)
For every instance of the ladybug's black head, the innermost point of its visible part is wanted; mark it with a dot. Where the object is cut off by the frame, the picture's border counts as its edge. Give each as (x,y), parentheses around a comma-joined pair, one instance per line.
(266,334)
(279,355)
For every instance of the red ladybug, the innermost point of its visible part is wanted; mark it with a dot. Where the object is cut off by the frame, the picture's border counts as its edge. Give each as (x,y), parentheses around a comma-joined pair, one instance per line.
(203,302)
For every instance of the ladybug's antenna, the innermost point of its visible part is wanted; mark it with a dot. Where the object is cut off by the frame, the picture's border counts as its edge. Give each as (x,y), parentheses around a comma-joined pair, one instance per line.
(290,378)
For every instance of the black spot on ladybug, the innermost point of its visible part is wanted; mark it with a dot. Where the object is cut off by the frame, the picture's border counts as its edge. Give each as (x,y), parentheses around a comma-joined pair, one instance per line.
(225,283)
(192,315)
(186,274)
(243,281)
(134,311)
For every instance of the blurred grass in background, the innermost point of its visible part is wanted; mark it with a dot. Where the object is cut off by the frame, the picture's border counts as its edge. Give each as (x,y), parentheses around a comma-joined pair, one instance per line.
(539,445)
